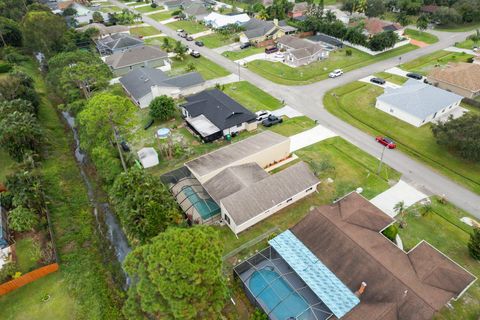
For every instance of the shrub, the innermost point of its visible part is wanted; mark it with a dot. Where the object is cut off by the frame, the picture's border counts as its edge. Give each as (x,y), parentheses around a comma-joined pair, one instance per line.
(162,108)
(153,5)
(21,219)
(5,67)
(348,52)
(7,272)
(391,232)
(474,244)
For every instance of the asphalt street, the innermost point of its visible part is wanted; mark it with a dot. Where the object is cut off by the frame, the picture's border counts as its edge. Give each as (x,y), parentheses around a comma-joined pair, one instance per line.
(308,99)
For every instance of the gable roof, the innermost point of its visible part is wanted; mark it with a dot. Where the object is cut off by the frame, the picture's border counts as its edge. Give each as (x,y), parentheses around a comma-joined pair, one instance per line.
(234,179)
(196,9)
(120,40)
(221,20)
(103,29)
(463,75)
(321,37)
(255,28)
(418,99)
(300,7)
(346,237)
(134,56)
(218,108)
(375,25)
(139,82)
(249,202)
(300,48)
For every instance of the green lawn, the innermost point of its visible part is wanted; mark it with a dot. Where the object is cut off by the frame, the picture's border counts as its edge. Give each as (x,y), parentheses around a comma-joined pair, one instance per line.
(160,16)
(25,250)
(421,36)
(426,63)
(251,97)
(5,164)
(240,54)
(27,302)
(280,73)
(148,9)
(216,40)
(355,103)
(347,165)
(393,78)
(467,44)
(291,126)
(190,27)
(459,27)
(110,9)
(446,236)
(144,31)
(158,41)
(208,69)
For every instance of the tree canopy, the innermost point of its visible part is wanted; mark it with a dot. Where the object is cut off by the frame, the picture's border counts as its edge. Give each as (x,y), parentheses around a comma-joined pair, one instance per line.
(162,108)
(179,276)
(11,34)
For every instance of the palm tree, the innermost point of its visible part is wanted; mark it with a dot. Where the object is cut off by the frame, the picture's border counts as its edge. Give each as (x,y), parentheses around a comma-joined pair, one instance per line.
(426,208)
(401,210)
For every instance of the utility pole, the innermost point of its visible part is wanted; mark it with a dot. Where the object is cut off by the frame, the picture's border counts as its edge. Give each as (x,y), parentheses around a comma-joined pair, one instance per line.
(381,160)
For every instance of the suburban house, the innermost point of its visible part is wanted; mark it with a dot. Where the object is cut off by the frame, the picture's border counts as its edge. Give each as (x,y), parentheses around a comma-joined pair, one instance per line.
(104,31)
(326,40)
(336,264)
(85,16)
(142,85)
(138,57)
(216,20)
(257,31)
(299,10)
(341,15)
(374,26)
(418,103)
(232,183)
(174,4)
(212,115)
(300,52)
(196,11)
(116,43)
(461,78)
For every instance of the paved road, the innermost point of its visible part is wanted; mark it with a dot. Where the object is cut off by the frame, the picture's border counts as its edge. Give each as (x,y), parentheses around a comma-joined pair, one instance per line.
(308,99)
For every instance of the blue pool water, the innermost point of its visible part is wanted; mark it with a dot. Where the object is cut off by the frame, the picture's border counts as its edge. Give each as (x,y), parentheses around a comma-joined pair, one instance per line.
(273,292)
(207,208)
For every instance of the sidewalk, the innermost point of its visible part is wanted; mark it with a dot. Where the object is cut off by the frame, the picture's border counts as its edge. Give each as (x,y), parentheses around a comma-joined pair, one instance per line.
(309,137)
(201,34)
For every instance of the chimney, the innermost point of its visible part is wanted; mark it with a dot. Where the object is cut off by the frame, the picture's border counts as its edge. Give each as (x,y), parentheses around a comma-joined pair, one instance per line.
(360,290)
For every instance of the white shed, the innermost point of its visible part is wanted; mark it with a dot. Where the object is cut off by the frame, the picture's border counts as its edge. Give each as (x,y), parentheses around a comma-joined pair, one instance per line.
(148,157)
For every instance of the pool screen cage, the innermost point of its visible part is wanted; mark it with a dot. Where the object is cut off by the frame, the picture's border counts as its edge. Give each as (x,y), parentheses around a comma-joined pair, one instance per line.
(273,299)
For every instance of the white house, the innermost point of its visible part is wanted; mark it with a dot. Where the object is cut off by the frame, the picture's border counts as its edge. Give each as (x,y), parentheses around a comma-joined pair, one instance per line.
(217,20)
(418,103)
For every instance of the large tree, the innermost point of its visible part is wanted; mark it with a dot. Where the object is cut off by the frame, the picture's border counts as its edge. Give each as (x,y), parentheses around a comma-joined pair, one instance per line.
(461,135)
(383,40)
(162,108)
(145,205)
(179,276)
(19,105)
(44,32)
(446,15)
(85,78)
(10,33)
(422,22)
(18,85)
(105,117)
(375,8)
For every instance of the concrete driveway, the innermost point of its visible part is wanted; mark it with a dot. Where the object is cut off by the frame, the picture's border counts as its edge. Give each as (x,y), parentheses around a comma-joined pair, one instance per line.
(386,85)
(402,191)
(309,137)
(287,111)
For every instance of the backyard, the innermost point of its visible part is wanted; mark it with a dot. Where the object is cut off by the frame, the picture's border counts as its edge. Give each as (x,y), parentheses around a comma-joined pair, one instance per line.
(208,69)
(355,103)
(426,63)
(190,27)
(281,73)
(421,36)
(443,229)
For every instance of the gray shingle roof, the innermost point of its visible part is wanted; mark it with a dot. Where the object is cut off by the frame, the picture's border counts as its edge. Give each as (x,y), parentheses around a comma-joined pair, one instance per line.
(196,9)
(139,82)
(255,28)
(220,109)
(134,56)
(419,99)
(120,40)
(268,192)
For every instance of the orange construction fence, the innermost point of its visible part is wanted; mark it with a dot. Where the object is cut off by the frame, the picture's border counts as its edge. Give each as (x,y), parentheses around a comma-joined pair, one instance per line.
(27,278)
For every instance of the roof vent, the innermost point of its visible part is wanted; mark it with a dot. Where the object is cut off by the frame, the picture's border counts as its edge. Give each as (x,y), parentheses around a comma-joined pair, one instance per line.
(360,290)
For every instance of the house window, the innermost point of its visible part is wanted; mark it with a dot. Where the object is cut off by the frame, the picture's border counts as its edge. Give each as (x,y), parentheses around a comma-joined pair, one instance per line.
(289,200)
(226,218)
(309,189)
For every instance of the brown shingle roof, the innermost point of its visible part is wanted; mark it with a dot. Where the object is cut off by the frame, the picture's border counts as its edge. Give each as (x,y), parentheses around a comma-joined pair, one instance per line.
(346,237)
(134,56)
(463,75)
(374,25)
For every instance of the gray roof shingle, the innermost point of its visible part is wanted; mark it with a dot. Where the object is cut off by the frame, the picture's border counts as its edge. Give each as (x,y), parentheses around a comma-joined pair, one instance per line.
(134,56)
(255,28)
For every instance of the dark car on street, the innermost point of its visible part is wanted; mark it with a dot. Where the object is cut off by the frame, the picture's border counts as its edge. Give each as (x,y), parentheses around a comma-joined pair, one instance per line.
(199,43)
(390,144)
(271,120)
(415,76)
(377,81)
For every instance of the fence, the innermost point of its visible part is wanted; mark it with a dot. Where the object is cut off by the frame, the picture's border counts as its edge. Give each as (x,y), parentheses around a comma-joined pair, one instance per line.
(27,278)
(473,103)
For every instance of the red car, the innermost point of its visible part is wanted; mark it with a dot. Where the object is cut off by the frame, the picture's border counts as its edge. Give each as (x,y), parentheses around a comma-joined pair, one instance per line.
(390,144)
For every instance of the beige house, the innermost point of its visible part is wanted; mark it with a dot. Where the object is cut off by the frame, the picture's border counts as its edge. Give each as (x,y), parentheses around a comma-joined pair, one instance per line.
(460,78)
(299,52)
(257,31)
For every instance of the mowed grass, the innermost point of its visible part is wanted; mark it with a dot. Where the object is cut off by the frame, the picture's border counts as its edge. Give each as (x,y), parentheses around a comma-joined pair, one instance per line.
(441,229)
(208,69)
(292,126)
(25,252)
(421,36)
(463,27)
(216,40)
(467,44)
(26,303)
(190,27)
(281,73)
(347,165)
(251,97)
(393,78)
(356,105)
(144,31)
(424,64)
(110,9)
(160,16)
(148,8)
(240,54)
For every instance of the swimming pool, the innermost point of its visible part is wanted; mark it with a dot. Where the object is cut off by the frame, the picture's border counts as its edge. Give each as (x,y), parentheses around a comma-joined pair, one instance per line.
(207,208)
(277,296)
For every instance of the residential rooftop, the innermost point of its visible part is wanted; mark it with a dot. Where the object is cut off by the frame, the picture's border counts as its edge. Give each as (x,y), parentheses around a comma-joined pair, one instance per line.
(462,74)
(134,56)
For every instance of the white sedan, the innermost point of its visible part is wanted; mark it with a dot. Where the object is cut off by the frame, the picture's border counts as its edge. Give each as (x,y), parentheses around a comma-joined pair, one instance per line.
(335,73)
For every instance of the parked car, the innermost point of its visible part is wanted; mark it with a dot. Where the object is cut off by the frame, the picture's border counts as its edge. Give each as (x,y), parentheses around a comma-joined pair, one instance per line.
(182,34)
(180,30)
(335,73)
(271,49)
(245,45)
(415,76)
(199,43)
(377,81)
(195,54)
(262,115)
(390,144)
(189,38)
(271,120)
